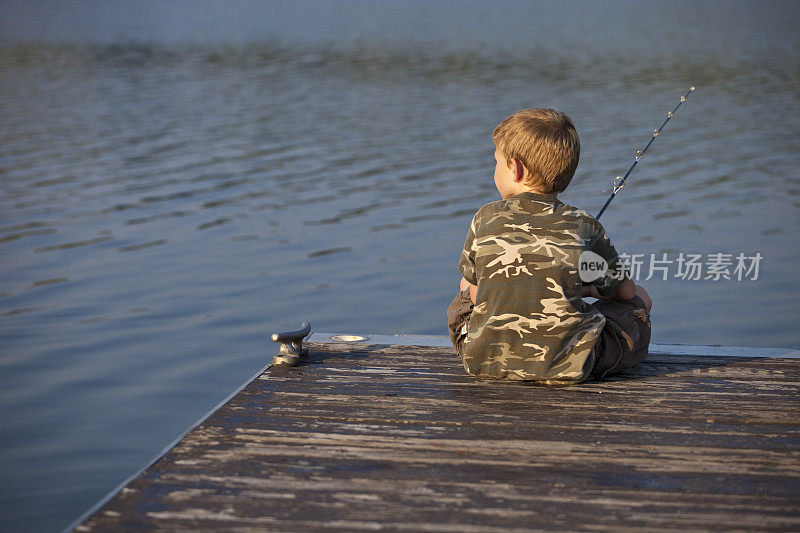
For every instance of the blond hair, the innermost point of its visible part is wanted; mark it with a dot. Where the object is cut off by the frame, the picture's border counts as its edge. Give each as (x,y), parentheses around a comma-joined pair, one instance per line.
(545,141)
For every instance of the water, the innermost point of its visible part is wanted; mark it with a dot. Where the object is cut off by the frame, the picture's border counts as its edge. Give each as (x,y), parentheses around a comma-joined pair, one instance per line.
(178,180)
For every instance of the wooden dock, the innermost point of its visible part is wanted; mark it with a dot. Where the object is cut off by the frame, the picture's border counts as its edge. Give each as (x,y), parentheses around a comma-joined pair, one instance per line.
(399,438)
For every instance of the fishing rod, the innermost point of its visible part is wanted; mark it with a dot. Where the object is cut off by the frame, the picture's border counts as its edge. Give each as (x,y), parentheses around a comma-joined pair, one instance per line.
(619,181)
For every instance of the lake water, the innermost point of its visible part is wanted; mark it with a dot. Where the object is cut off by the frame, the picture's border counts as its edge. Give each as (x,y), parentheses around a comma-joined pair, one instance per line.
(180,179)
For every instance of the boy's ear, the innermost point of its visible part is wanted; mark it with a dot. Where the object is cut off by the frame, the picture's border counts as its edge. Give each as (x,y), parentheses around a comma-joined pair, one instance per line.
(518,169)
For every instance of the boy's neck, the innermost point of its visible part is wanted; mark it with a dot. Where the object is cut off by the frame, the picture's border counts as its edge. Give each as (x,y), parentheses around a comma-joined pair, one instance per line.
(534,190)
(537,191)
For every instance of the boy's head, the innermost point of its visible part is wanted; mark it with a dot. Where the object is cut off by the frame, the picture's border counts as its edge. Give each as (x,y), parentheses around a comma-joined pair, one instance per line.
(545,142)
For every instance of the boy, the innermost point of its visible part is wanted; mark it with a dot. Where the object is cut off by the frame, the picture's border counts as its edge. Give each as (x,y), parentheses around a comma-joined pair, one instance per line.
(520,312)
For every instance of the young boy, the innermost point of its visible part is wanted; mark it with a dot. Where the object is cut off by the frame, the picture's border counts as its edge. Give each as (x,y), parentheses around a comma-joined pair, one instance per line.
(520,313)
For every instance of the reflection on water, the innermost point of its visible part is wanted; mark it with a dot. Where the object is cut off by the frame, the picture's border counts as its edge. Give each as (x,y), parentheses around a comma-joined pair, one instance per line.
(165,205)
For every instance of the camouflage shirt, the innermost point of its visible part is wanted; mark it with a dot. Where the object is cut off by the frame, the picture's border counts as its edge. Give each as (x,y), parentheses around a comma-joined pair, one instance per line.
(529,321)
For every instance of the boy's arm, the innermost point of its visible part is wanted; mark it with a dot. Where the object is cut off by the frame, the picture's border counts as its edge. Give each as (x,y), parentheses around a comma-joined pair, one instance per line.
(467,262)
(616,284)
(626,291)
(473,289)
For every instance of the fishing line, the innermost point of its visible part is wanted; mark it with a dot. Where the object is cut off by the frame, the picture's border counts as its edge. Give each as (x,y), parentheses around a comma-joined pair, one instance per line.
(619,181)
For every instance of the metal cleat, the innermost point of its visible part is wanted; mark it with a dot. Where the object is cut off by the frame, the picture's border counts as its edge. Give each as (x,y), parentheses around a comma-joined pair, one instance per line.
(291,345)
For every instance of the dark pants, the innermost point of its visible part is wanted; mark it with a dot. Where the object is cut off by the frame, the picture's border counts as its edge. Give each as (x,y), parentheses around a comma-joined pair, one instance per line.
(457,318)
(622,343)
(625,337)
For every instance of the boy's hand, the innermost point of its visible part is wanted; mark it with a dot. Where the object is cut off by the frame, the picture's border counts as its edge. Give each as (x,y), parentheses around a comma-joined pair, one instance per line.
(473,289)
(589,291)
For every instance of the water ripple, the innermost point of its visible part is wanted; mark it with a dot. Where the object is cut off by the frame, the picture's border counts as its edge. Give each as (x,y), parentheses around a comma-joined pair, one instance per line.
(170,202)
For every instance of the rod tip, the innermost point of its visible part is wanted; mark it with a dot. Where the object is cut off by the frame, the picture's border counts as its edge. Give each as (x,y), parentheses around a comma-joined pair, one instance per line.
(691,88)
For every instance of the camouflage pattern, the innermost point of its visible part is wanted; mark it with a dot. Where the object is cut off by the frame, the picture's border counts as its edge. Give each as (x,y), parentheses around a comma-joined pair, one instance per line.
(529,321)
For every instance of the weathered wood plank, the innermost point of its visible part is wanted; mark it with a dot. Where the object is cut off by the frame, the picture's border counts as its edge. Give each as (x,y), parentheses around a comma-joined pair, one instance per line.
(401,439)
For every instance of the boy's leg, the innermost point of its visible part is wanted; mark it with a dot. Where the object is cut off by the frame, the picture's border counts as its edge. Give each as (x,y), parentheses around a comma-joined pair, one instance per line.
(458,314)
(625,338)
(641,293)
